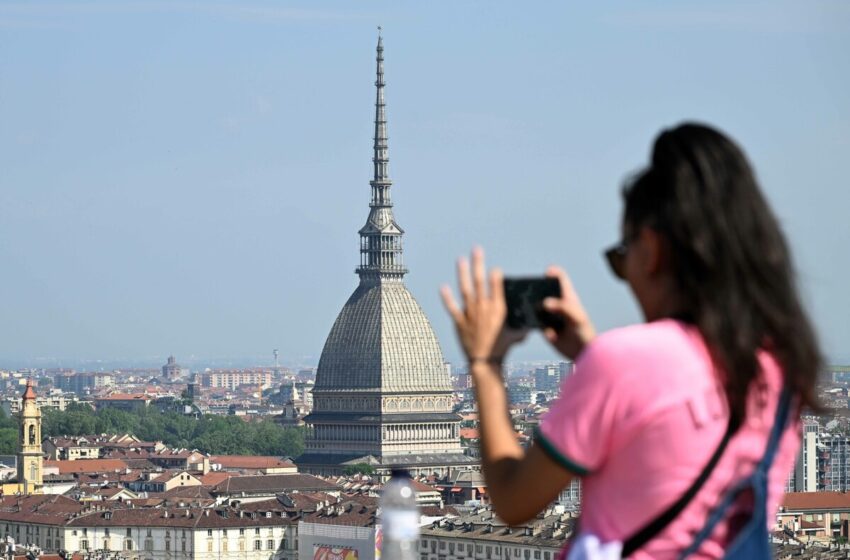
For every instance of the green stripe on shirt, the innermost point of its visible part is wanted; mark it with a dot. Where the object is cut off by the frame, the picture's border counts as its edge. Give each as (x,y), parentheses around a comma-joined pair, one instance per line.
(557,456)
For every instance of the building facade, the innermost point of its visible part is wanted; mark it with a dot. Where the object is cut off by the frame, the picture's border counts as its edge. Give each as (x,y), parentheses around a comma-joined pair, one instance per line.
(58,523)
(233,379)
(382,395)
(83,383)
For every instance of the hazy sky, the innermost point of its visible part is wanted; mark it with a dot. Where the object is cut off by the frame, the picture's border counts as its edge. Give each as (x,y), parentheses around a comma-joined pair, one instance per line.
(189,177)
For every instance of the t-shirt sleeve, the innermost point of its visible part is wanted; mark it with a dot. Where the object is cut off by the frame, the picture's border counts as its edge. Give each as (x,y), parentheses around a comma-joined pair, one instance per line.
(577,430)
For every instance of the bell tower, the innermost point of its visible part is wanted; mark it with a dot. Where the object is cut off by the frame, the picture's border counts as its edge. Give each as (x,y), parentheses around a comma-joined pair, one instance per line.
(30,461)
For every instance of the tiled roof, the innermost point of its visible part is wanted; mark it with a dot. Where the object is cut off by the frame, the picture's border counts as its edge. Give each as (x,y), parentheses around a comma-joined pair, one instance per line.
(83,466)
(250,462)
(125,397)
(816,500)
(214,478)
(273,483)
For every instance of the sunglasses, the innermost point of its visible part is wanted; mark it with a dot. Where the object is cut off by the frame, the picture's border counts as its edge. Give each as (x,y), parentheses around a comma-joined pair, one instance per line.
(616,257)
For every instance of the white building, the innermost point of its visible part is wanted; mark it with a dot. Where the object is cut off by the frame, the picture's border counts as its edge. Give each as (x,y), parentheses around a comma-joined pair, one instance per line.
(262,532)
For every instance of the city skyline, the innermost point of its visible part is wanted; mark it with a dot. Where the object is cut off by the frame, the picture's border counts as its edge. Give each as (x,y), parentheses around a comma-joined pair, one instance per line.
(183,197)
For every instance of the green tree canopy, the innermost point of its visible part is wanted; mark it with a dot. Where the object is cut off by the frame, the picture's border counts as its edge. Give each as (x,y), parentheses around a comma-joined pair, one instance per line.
(219,435)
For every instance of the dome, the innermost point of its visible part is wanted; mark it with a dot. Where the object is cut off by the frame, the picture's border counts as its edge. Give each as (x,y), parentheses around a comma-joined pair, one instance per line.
(382,340)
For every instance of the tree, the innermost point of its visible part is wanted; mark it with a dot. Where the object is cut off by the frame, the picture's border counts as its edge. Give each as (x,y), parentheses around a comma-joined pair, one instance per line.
(359,468)
(209,433)
(8,441)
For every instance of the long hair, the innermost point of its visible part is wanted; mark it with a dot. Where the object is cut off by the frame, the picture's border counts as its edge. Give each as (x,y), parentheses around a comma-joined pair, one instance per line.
(730,260)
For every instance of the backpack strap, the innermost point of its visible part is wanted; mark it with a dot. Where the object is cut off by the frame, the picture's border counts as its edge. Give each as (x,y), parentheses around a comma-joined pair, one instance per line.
(783,410)
(654,527)
(760,472)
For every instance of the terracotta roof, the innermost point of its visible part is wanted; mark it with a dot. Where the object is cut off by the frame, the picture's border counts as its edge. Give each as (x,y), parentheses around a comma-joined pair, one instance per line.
(43,509)
(250,462)
(125,397)
(84,466)
(816,500)
(419,487)
(469,433)
(213,478)
(273,483)
(29,392)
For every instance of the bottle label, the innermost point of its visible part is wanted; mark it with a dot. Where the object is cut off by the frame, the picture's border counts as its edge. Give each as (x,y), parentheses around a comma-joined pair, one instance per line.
(400,525)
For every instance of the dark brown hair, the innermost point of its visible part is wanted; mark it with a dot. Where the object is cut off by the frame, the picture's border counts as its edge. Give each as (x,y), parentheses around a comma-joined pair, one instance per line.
(730,259)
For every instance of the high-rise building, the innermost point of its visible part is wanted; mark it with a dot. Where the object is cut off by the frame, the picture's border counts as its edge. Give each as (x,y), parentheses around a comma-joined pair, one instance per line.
(383,395)
(547,378)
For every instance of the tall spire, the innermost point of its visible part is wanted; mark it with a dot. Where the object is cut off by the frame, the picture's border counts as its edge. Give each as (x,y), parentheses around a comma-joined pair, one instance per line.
(380,149)
(380,238)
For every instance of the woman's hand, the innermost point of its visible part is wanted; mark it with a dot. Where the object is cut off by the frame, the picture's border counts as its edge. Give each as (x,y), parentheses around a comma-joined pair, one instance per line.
(578,331)
(480,324)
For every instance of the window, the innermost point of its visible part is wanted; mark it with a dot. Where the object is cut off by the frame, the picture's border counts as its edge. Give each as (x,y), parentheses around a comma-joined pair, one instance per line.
(442,545)
(167,533)
(258,545)
(84,544)
(128,545)
(130,532)
(149,533)
(478,548)
(489,551)
(148,544)
(547,555)
(73,533)
(209,546)
(526,554)
(451,547)
(241,530)
(85,531)
(536,555)
(257,531)
(209,532)
(183,546)
(270,544)
(106,544)
(105,531)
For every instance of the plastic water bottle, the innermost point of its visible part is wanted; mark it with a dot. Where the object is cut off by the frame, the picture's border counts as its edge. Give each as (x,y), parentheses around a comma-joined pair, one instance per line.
(399,518)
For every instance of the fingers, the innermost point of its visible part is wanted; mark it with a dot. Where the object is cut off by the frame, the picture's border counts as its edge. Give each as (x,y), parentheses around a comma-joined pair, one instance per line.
(567,289)
(497,285)
(464,281)
(451,306)
(478,273)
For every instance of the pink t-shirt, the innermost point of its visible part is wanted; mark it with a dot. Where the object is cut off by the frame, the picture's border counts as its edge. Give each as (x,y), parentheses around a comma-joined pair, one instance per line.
(639,419)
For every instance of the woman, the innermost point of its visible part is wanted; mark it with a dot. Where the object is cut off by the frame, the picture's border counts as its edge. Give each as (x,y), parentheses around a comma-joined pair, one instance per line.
(648,405)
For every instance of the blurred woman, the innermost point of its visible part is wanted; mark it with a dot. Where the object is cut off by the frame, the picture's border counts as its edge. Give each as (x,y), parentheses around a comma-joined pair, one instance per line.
(649,406)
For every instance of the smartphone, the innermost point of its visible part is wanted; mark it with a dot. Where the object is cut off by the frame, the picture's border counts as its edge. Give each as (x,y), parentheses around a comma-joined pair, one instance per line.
(524,298)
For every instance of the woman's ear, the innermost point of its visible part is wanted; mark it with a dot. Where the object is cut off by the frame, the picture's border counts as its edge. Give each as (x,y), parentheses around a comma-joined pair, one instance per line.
(654,252)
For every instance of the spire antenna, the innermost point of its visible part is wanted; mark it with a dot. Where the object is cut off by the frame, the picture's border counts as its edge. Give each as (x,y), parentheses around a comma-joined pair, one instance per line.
(380,239)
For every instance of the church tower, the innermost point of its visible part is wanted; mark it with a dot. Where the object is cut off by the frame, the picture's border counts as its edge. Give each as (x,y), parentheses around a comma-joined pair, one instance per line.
(29,449)
(382,396)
